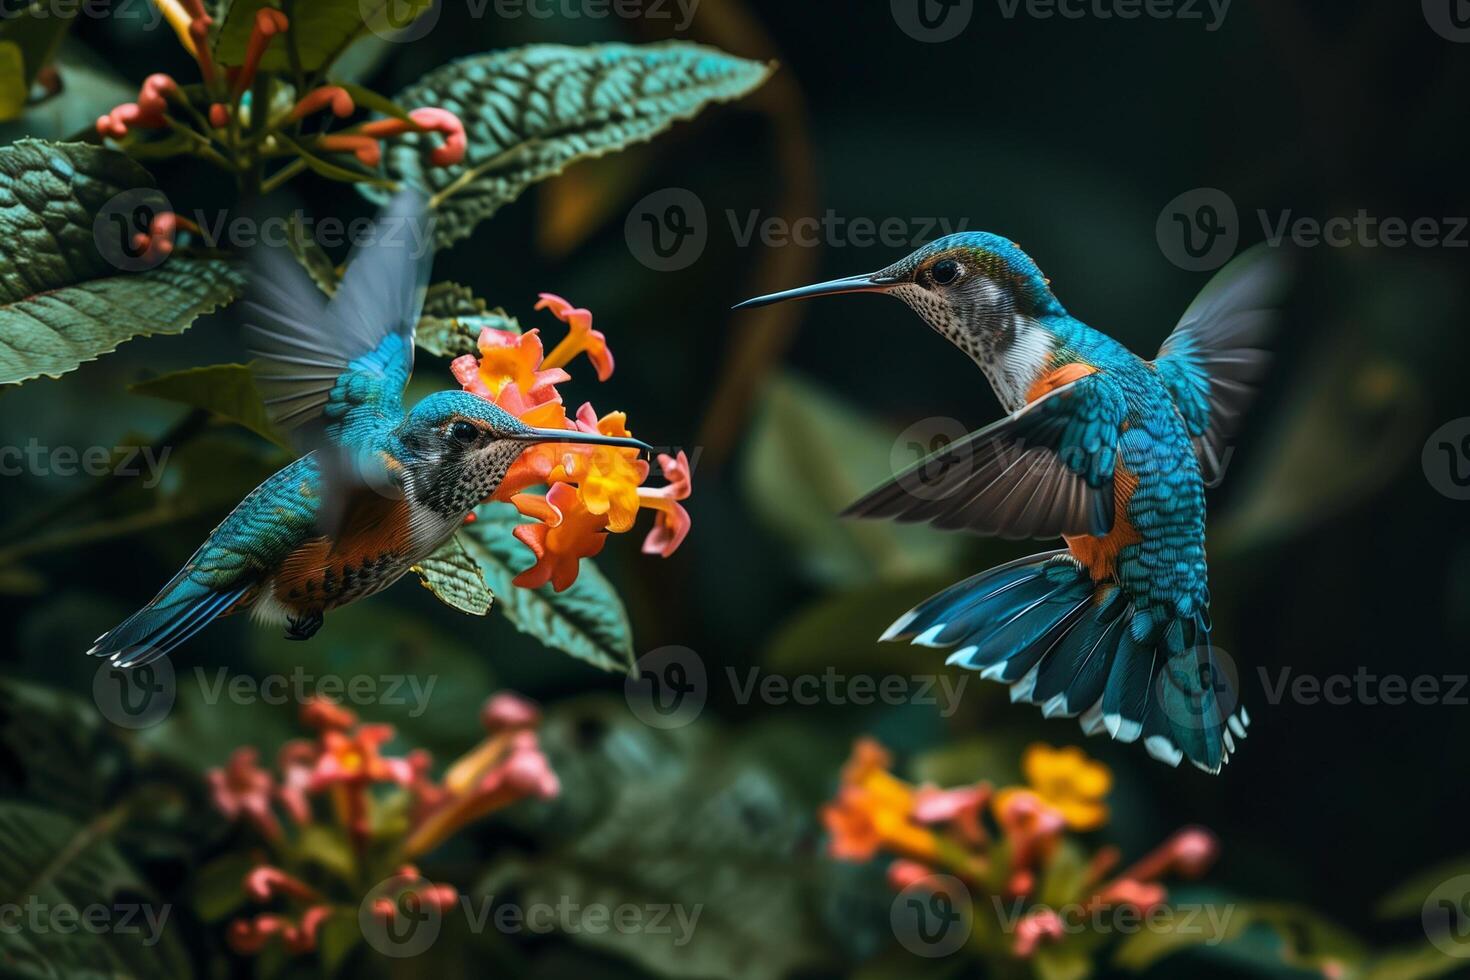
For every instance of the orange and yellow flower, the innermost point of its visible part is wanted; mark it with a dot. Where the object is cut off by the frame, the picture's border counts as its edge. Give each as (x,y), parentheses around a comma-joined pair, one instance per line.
(591,490)
(1070,783)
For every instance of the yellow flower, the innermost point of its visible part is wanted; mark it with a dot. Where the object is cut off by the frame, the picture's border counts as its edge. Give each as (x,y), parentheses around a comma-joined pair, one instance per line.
(1070,783)
(874,809)
(607,478)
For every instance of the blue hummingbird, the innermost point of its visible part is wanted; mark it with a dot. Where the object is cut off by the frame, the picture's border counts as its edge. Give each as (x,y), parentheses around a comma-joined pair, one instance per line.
(1106,450)
(378,488)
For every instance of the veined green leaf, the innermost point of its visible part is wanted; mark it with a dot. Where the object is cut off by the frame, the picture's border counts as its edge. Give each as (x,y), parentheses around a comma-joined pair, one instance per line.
(62,302)
(226,390)
(530,112)
(811,455)
(587,621)
(29,38)
(453,318)
(55,861)
(454,577)
(320,29)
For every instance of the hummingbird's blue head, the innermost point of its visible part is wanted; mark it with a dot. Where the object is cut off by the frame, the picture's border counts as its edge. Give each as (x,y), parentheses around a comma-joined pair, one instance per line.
(458,446)
(980,291)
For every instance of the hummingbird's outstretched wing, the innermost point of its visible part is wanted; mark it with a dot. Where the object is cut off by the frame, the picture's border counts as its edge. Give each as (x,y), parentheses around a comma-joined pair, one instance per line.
(1045,471)
(1213,361)
(333,372)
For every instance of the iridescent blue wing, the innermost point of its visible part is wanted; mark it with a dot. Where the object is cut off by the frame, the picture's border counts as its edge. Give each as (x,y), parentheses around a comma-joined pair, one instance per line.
(332,371)
(1045,471)
(1215,358)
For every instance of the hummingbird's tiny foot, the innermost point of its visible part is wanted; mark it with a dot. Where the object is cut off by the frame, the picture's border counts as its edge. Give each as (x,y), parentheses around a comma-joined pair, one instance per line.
(303,627)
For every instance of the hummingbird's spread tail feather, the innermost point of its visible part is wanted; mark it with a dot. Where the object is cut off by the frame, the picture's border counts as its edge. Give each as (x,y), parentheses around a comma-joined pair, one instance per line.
(183,608)
(1067,644)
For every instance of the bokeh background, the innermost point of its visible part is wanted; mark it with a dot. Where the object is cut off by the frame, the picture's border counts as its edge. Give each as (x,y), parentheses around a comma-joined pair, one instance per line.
(1333,548)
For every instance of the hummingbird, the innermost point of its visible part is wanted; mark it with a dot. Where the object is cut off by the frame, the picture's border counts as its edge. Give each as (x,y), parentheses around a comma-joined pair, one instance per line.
(1107,451)
(377,488)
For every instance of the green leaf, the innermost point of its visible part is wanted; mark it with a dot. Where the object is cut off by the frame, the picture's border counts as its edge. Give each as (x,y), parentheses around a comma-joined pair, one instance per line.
(320,29)
(587,621)
(1408,898)
(90,88)
(453,318)
(812,455)
(691,821)
(452,575)
(54,861)
(531,111)
(29,38)
(226,390)
(219,887)
(61,301)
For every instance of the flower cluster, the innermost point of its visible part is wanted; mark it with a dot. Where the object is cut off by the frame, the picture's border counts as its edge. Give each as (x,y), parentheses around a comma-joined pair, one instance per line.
(214,119)
(591,490)
(376,812)
(1005,842)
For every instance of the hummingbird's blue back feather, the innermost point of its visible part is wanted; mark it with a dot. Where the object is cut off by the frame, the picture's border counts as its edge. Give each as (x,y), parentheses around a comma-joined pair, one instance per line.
(334,371)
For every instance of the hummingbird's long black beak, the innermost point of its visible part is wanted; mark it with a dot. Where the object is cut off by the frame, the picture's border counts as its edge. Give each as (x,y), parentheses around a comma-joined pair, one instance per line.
(582,438)
(869,283)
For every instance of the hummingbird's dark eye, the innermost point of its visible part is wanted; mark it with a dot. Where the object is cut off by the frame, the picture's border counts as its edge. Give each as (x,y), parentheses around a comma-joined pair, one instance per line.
(945,272)
(464,433)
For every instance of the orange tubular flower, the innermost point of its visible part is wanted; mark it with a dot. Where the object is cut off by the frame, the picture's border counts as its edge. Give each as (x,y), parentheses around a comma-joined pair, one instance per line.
(607,478)
(672,525)
(874,809)
(582,337)
(567,533)
(593,489)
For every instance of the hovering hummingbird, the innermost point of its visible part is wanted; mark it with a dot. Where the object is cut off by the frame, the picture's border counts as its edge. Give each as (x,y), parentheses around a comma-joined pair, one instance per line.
(1104,449)
(377,490)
